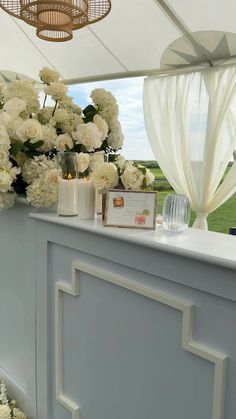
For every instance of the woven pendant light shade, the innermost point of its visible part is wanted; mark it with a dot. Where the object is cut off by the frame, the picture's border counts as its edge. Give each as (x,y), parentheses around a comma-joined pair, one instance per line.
(55,20)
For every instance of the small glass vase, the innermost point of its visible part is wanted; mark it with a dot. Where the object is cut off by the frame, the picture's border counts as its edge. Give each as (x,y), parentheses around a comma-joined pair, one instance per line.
(176,213)
(67,185)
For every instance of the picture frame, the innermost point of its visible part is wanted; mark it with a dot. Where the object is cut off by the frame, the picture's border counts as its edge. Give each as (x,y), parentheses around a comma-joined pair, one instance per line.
(131,209)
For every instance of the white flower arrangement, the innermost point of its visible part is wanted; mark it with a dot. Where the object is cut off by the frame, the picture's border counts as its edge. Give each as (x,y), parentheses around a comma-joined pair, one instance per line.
(30,136)
(8,409)
(121,174)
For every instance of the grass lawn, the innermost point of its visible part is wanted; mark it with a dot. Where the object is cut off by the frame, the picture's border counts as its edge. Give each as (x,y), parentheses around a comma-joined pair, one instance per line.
(220,220)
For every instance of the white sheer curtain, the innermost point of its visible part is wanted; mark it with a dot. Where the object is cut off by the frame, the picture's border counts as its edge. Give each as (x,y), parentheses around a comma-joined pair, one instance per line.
(191,125)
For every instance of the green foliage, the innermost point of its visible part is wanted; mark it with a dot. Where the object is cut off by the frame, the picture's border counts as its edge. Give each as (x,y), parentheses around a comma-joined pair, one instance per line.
(15,148)
(89,113)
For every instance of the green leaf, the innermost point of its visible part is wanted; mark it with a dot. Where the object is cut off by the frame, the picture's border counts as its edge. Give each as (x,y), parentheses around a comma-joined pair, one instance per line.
(15,148)
(89,113)
(32,153)
(33,146)
(77,148)
(88,109)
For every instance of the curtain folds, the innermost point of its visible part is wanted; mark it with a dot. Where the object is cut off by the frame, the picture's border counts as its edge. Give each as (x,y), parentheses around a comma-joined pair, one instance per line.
(191,124)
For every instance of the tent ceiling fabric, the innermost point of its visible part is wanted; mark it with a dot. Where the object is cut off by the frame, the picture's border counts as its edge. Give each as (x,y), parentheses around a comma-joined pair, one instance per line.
(136,37)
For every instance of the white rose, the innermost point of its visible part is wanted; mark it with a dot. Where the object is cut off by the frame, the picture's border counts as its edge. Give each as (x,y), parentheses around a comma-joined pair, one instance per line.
(49,136)
(102,126)
(62,141)
(120,162)
(4,412)
(88,135)
(30,129)
(105,176)
(13,124)
(48,76)
(51,177)
(61,115)
(82,162)
(149,177)
(15,106)
(132,178)
(57,90)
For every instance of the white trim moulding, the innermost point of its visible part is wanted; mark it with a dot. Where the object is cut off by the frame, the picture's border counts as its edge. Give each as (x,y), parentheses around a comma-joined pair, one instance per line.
(188,344)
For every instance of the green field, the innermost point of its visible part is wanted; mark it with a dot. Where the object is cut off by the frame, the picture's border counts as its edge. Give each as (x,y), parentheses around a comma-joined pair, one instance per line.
(220,220)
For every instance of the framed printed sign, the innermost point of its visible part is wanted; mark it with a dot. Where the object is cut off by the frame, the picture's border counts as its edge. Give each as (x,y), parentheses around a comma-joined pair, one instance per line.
(131,209)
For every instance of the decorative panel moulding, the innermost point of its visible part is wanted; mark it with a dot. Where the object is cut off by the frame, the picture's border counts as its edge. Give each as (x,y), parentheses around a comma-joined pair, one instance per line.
(188,344)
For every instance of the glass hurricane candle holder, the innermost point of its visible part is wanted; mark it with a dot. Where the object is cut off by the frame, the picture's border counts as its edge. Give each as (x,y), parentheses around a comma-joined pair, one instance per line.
(94,160)
(176,213)
(85,196)
(67,185)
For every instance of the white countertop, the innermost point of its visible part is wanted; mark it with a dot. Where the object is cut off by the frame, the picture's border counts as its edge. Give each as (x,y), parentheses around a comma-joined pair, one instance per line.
(208,246)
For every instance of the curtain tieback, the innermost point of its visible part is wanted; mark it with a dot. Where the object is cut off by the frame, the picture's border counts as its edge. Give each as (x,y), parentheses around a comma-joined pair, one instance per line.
(202,214)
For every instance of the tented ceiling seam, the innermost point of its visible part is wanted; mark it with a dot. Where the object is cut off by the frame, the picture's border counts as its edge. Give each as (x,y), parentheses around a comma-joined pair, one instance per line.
(108,49)
(168,10)
(37,48)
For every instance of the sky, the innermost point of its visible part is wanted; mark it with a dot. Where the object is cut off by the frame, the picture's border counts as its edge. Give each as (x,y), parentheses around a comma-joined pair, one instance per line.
(129,96)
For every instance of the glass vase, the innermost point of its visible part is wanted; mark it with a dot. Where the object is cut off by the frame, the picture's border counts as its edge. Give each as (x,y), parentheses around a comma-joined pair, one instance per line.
(85,195)
(176,213)
(95,159)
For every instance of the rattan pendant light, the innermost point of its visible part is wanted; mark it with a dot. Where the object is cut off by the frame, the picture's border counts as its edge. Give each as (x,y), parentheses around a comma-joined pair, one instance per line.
(55,20)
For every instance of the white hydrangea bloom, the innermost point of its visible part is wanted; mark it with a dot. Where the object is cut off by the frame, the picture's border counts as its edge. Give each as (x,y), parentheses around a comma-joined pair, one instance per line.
(105,103)
(5,180)
(23,89)
(5,412)
(42,193)
(4,154)
(33,168)
(69,105)
(15,106)
(7,200)
(61,115)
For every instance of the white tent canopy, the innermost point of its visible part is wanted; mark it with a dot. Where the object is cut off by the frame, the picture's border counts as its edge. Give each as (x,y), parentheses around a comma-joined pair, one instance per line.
(137,37)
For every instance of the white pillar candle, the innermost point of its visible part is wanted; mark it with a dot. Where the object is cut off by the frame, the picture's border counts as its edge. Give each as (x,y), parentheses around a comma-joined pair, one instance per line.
(86,199)
(67,197)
